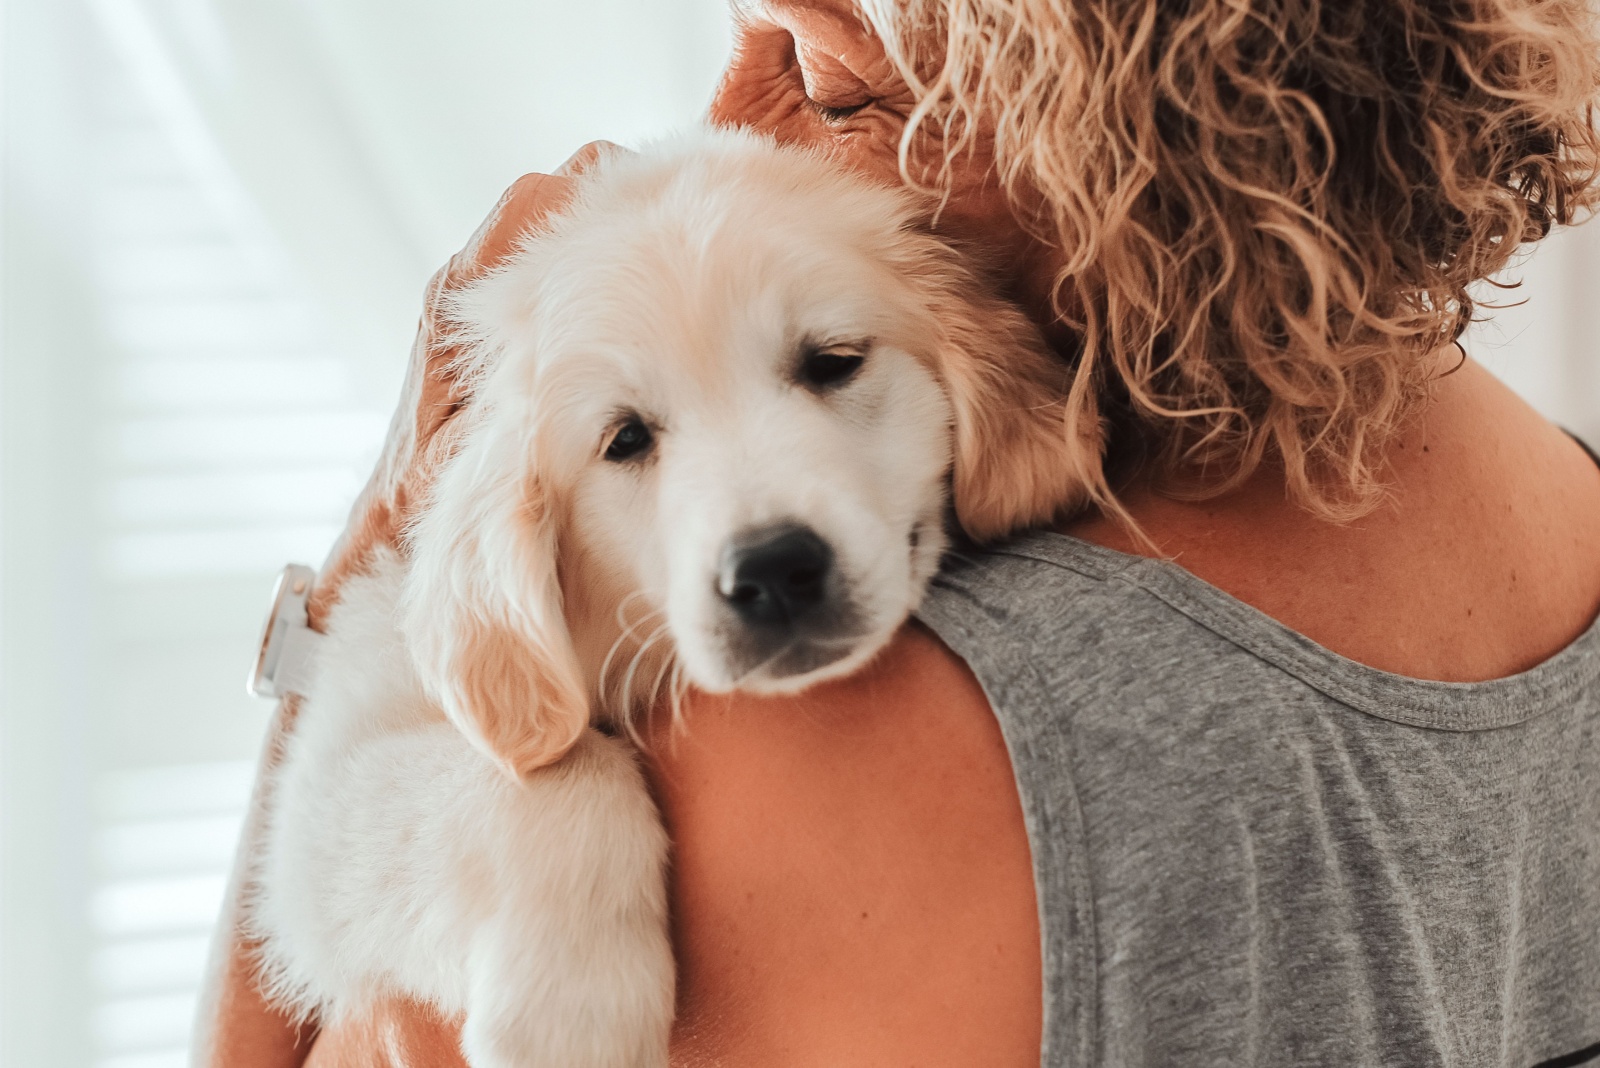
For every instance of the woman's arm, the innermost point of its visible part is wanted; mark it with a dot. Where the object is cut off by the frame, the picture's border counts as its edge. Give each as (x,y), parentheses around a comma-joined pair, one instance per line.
(851,882)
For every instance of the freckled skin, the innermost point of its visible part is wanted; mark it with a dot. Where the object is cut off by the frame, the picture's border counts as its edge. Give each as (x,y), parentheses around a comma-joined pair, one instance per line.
(851,880)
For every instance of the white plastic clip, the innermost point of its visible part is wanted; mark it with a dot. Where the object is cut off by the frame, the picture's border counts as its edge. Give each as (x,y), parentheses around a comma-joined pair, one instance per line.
(288,644)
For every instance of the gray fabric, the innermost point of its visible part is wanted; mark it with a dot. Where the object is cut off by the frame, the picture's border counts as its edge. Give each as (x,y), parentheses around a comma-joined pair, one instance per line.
(1251,851)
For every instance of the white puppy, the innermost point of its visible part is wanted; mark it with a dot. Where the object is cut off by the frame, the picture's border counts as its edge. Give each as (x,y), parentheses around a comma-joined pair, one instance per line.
(721,412)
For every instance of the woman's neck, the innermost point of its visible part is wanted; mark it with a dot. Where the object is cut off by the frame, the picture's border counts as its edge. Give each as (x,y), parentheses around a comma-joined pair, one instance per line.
(1480,563)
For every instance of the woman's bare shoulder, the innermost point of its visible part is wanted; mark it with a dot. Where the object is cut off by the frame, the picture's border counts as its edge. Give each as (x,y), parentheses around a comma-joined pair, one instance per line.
(851,873)
(1482,562)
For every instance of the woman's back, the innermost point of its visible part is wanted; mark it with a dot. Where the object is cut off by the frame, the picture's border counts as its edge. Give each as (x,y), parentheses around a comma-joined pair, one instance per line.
(1249,850)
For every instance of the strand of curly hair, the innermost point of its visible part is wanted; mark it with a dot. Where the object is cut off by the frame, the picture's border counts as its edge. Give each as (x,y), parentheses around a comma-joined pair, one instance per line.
(1268,212)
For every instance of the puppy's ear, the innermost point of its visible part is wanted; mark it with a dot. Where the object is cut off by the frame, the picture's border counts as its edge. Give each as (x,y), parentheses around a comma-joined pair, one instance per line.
(1028,439)
(483,614)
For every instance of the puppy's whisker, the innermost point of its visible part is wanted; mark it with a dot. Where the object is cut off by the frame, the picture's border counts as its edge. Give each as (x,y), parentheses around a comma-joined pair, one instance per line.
(633,668)
(626,633)
(667,672)
(631,707)
(841,640)
(844,641)
(679,687)
(663,671)
(953,554)
(625,698)
(782,650)
(622,609)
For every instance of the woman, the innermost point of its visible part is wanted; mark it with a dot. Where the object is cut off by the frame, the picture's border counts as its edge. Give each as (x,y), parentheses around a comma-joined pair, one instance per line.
(1326,789)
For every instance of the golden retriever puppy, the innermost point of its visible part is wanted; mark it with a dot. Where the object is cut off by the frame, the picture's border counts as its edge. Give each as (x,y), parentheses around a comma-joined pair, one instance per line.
(725,410)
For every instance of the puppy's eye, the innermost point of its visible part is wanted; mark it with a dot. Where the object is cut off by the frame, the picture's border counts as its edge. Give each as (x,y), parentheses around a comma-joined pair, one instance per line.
(630,441)
(821,370)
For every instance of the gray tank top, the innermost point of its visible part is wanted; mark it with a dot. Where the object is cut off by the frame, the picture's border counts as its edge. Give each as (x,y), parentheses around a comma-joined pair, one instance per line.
(1249,850)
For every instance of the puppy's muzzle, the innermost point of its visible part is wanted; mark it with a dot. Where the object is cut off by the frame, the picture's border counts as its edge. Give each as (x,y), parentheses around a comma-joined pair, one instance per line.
(775,577)
(788,610)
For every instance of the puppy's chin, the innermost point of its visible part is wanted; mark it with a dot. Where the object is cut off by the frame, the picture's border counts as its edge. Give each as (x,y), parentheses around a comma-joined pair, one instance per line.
(719,655)
(799,664)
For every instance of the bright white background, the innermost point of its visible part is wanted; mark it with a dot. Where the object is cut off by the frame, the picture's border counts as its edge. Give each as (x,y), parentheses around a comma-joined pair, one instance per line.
(216,220)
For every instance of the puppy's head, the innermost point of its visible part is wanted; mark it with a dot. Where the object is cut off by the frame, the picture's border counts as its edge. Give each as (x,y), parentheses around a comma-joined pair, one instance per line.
(727,400)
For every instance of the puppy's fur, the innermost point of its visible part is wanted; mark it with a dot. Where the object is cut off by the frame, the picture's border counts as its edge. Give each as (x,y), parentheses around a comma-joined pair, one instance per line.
(809,371)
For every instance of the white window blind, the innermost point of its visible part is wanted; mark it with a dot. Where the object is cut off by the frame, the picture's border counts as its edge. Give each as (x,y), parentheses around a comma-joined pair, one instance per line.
(230,440)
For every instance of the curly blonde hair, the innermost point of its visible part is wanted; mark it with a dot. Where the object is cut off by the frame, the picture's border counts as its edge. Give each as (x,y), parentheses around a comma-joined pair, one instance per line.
(1268,212)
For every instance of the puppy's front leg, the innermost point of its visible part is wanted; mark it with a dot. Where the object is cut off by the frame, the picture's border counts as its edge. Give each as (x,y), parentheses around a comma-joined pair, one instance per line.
(575,968)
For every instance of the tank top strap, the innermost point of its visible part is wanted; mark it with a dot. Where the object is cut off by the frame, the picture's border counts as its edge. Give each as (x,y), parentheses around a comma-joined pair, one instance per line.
(1584,445)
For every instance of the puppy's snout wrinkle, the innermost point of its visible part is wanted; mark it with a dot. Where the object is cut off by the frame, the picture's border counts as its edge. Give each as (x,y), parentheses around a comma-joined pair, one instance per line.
(776,575)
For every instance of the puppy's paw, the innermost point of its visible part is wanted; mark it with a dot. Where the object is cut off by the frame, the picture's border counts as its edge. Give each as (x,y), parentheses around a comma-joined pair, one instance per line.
(607,1017)
(575,968)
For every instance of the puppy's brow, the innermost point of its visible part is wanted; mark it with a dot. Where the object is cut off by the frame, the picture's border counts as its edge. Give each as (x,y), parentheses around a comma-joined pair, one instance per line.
(854,346)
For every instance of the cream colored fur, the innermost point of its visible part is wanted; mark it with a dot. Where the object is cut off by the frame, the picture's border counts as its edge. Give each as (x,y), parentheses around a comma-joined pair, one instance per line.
(449,823)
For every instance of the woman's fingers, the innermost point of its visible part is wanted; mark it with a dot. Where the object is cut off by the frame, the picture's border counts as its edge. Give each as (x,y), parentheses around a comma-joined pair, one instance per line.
(434,386)
(434,391)
(587,156)
(521,210)
(396,1034)
(531,200)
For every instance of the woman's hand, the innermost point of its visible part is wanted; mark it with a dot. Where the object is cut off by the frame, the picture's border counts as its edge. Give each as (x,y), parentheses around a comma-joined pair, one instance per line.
(236,1027)
(396,1034)
(812,73)
(419,436)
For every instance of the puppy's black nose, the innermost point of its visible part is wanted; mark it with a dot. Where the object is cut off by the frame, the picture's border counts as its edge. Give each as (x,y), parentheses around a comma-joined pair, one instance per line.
(775,575)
